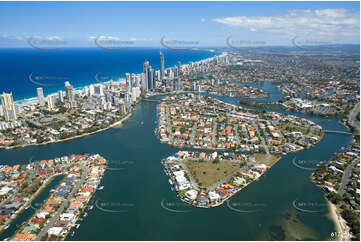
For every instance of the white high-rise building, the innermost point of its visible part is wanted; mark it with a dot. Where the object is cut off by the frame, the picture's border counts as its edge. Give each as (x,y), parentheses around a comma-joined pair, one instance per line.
(69,91)
(91,90)
(41,99)
(50,99)
(161,67)
(61,96)
(8,106)
(145,76)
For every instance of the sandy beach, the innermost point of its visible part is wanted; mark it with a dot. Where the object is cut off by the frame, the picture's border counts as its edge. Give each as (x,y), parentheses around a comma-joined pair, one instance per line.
(343,231)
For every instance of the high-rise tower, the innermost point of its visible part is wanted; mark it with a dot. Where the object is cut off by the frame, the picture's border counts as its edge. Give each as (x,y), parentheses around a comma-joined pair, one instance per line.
(8,106)
(161,66)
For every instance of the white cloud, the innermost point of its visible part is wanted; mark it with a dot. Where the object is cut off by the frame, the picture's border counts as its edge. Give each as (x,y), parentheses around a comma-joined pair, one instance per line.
(322,22)
(203,20)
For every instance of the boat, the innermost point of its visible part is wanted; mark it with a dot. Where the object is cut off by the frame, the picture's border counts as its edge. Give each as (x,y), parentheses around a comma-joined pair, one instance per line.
(85,215)
(91,207)
(28,206)
(72,234)
(170,181)
(101,188)
(7,226)
(77,226)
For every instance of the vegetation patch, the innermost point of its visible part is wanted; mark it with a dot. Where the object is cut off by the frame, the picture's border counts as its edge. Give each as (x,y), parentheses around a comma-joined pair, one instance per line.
(207,173)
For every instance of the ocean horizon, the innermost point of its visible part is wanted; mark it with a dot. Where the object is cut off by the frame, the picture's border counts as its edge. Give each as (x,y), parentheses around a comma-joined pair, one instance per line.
(51,68)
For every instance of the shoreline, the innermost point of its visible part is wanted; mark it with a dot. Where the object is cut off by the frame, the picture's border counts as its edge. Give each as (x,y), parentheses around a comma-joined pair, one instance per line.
(34,99)
(225,199)
(119,122)
(341,227)
(342,230)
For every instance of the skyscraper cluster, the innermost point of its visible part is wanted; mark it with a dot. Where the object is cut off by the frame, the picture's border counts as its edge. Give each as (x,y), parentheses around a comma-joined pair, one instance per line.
(160,80)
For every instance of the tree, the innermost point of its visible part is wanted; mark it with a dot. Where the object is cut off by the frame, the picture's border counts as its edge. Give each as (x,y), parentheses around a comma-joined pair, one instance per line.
(334,197)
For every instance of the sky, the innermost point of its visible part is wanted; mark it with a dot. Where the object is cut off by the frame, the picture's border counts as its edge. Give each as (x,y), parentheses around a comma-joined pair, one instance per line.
(177,24)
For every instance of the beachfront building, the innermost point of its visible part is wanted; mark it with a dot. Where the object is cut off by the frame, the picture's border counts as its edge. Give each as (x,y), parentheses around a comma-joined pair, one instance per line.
(8,106)
(161,66)
(40,93)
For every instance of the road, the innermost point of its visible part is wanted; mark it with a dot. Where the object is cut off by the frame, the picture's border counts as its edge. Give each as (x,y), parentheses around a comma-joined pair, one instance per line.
(352,120)
(53,219)
(346,177)
(254,124)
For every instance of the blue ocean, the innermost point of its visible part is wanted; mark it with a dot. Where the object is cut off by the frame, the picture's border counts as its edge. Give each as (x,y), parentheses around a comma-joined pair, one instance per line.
(79,66)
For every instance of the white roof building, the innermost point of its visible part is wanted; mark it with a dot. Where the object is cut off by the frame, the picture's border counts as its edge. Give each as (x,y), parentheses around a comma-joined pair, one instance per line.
(192,194)
(55,231)
(67,216)
(213,196)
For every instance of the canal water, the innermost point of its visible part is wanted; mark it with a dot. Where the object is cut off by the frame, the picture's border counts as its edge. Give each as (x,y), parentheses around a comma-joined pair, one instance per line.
(137,202)
(26,214)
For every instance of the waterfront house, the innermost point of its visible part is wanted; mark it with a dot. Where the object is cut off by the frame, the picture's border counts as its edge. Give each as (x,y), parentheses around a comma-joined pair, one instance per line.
(202,199)
(191,194)
(67,216)
(56,231)
(213,196)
